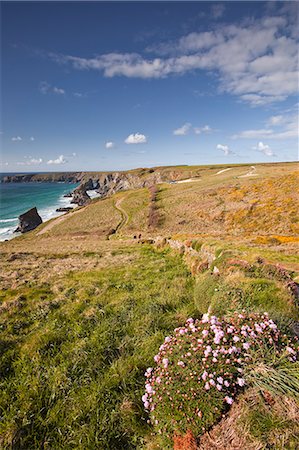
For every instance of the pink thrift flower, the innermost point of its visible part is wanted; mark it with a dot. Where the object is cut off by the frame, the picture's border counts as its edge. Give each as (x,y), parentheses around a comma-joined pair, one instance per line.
(207,386)
(219,387)
(204,375)
(229,400)
(220,380)
(226,383)
(241,382)
(165,362)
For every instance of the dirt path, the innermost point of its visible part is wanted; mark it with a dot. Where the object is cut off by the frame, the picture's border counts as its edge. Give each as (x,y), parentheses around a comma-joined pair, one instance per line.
(123,213)
(57,221)
(223,170)
(250,173)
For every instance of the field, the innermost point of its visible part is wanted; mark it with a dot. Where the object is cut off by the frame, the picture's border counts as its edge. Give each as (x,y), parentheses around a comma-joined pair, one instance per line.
(88,298)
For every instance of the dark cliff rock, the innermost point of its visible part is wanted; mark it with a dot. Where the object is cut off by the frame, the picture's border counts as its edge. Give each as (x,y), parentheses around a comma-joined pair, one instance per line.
(53,177)
(64,209)
(80,196)
(29,220)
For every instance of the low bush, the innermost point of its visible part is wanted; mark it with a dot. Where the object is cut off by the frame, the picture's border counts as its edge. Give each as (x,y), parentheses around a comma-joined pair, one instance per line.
(201,368)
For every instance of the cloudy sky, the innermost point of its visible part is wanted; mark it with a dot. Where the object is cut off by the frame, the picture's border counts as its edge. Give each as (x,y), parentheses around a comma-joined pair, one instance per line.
(105,86)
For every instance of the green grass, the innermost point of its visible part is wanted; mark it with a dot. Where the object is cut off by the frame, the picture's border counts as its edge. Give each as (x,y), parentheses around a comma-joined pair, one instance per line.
(73,362)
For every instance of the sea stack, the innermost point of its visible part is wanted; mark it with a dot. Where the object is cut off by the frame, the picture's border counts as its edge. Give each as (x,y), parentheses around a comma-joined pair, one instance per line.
(29,220)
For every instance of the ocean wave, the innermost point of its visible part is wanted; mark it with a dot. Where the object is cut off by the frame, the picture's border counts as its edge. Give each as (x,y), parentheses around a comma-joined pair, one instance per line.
(8,220)
(46,214)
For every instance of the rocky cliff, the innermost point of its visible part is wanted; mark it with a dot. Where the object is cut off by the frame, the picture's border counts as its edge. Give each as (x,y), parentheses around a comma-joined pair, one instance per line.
(29,221)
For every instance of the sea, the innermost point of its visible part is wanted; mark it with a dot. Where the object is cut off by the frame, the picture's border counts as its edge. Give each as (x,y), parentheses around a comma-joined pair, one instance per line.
(17,198)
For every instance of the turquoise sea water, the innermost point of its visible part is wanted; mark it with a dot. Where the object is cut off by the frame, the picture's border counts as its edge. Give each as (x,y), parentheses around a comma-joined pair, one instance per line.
(17,198)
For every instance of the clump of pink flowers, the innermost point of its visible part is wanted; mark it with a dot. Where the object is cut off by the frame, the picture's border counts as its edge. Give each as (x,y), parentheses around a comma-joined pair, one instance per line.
(199,370)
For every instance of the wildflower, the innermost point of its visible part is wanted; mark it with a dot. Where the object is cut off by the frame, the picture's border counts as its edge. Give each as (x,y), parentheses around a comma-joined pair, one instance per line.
(220,380)
(219,387)
(204,375)
(181,364)
(165,362)
(291,351)
(226,383)
(205,333)
(246,345)
(207,386)
(149,389)
(229,400)
(241,382)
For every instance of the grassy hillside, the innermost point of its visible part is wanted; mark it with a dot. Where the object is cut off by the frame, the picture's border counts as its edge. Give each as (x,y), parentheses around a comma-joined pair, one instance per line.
(85,306)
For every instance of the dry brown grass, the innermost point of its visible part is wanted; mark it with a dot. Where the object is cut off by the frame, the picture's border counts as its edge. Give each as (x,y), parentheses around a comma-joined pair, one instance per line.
(236,430)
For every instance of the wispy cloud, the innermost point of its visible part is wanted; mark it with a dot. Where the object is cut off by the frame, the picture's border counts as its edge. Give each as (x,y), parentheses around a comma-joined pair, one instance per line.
(183,130)
(16,139)
(46,88)
(30,161)
(254,60)
(136,138)
(60,160)
(217,10)
(277,127)
(32,138)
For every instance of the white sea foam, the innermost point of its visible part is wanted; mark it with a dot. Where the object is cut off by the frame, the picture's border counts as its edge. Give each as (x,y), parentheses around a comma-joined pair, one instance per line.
(15,219)
(93,194)
(48,213)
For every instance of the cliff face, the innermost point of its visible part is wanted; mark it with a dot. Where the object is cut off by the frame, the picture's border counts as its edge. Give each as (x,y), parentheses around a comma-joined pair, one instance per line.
(65,177)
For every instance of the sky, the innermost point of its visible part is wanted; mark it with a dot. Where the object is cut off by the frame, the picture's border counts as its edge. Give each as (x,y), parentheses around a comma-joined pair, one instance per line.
(121,85)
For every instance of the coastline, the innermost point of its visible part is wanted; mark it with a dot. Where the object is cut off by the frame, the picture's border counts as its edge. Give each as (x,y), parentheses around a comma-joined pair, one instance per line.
(46,207)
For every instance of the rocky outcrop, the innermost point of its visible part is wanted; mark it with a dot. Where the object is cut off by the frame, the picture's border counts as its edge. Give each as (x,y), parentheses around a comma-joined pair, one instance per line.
(113,182)
(29,221)
(64,209)
(80,196)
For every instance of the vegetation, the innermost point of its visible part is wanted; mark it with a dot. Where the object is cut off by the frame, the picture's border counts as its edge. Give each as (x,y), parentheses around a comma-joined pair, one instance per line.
(82,316)
(202,367)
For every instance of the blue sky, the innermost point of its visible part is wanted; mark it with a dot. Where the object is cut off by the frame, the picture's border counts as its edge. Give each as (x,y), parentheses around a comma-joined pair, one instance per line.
(118,85)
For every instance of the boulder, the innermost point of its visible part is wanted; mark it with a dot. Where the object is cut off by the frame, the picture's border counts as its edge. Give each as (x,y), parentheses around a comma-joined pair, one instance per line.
(64,209)
(80,197)
(29,220)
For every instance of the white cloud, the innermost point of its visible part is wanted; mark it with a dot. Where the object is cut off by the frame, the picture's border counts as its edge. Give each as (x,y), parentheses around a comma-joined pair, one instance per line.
(136,138)
(77,94)
(255,60)
(32,139)
(204,129)
(35,160)
(224,148)
(264,148)
(276,120)
(60,160)
(109,145)
(46,88)
(3,163)
(16,139)
(183,130)
(58,91)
